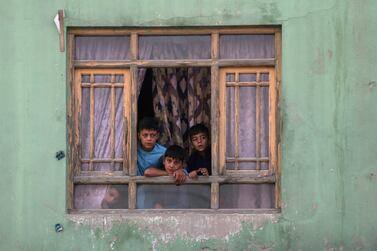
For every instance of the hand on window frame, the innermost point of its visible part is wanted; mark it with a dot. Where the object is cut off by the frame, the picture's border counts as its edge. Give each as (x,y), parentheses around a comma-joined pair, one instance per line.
(180,176)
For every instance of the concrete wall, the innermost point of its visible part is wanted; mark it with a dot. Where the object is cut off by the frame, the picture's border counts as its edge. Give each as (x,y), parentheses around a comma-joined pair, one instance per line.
(329,99)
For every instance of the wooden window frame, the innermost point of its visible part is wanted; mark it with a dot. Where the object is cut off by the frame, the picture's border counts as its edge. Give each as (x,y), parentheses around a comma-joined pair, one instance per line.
(217,65)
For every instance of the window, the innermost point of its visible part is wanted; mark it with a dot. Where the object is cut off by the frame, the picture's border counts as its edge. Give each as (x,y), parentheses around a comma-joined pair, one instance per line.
(225,78)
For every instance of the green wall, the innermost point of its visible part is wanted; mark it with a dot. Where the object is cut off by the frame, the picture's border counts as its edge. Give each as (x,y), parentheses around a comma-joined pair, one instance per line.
(329,119)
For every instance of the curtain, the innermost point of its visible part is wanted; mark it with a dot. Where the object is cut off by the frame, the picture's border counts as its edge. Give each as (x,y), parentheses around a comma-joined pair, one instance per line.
(181,99)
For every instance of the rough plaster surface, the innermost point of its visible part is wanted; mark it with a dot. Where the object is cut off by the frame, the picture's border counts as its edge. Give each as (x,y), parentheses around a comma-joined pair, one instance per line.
(168,226)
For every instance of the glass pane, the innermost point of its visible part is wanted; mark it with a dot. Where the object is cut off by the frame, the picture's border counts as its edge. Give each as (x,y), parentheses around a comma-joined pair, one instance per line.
(102,167)
(118,166)
(102,109)
(230,166)
(247,46)
(100,196)
(247,165)
(230,122)
(102,48)
(264,166)
(247,136)
(264,77)
(248,77)
(247,196)
(175,47)
(85,122)
(119,78)
(85,167)
(119,123)
(85,78)
(230,77)
(102,78)
(172,196)
(264,138)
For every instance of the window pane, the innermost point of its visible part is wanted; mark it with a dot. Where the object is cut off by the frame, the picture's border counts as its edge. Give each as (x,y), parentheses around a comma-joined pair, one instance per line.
(247,46)
(230,77)
(85,122)
(85,78)
(247,196)
(102,167)
(264,77)
(230,166)
(264,166)
(247,136)
(247,166)
(85,167)
(102,48)
(248,77)
(264,122)
(230,122)
(118,166)
(102,109)
(172,196)
(175,47)
(100,196)
(119,123)
(102,78)
(119,78)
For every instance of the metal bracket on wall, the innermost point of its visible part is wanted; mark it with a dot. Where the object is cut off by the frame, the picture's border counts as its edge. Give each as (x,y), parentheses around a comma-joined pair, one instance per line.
(59,155)
(59,22)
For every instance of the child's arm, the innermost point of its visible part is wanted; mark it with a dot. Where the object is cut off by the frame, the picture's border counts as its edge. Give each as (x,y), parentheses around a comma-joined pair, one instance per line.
(180,176)
(154,171)
(194,174)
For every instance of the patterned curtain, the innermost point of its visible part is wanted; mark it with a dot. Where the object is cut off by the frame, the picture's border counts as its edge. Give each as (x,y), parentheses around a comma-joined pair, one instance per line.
(181,99)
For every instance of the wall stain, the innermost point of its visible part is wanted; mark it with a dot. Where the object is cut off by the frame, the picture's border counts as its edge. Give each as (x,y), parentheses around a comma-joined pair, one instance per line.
(372,84)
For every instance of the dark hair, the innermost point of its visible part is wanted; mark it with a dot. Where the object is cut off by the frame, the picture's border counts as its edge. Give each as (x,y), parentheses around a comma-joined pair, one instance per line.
(148,123)
(198,128)
(175,152)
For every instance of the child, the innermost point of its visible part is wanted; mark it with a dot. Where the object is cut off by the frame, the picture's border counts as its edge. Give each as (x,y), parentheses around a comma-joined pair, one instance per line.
(150,153)
(199,163)
(115,197)
(174,158)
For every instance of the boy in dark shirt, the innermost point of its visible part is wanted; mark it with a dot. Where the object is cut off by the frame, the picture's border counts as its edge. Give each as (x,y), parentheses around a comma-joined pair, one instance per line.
(199,162)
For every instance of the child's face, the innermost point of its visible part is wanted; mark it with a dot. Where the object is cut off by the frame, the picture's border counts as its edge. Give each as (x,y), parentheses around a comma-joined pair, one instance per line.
(112,196)
(148,139)
(199,141)
(171,165)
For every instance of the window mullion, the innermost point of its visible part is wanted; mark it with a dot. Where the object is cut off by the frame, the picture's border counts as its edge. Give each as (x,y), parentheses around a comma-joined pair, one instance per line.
(236,121)
(91,125)
(112,123)
(215,194)
(132,107)
(133,117)
(214,119)
(132,195)
(257,122)
(214,103)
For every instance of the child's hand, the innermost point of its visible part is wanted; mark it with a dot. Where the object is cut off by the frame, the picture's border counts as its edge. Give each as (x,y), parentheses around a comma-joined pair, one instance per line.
(204,171)
(179,176)
(193,174)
